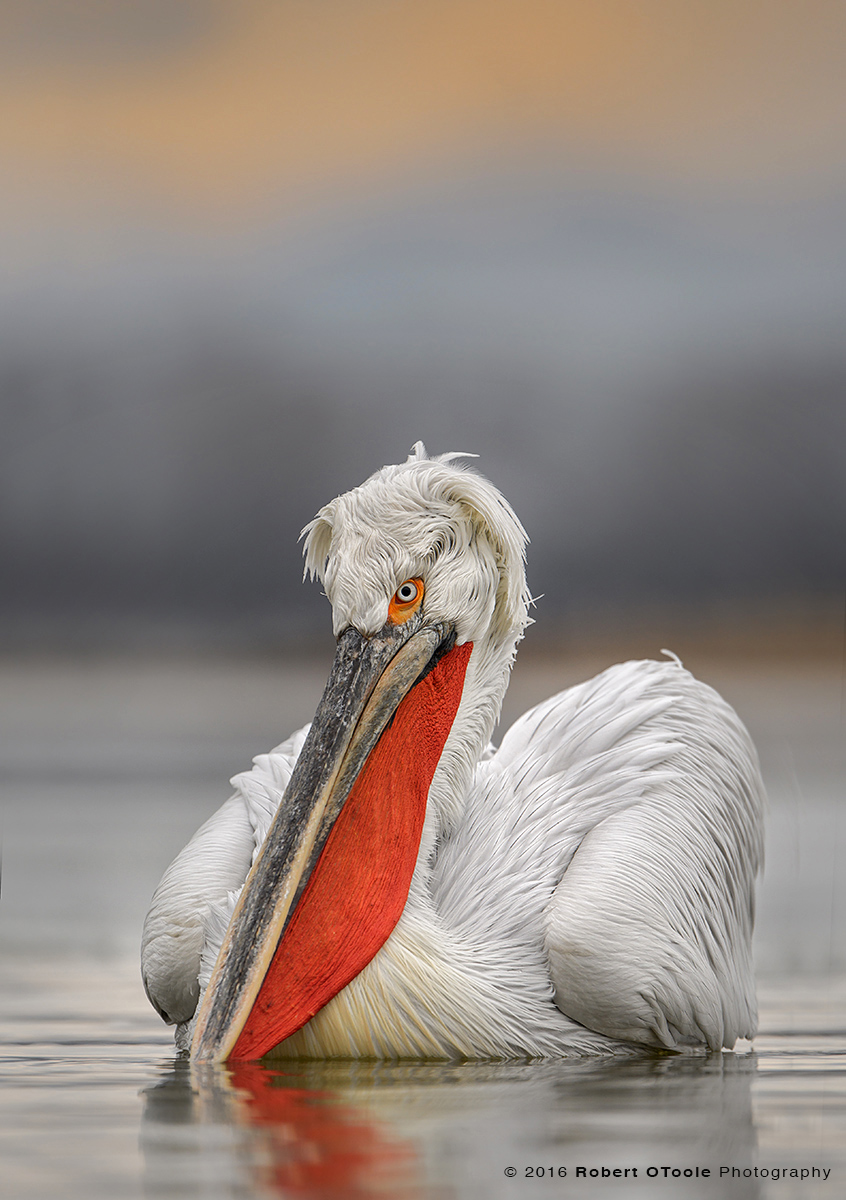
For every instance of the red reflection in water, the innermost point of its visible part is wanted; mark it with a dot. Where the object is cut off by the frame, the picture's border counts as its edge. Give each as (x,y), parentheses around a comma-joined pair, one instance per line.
(318,1146)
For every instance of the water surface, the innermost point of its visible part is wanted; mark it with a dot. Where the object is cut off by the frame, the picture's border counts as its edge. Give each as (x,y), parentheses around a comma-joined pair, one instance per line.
(111,768)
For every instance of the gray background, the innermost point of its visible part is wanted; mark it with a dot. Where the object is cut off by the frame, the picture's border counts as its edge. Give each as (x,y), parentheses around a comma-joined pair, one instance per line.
(251,253)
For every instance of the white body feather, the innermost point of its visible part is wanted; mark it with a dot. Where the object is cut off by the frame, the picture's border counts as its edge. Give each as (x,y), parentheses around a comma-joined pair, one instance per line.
(587,886)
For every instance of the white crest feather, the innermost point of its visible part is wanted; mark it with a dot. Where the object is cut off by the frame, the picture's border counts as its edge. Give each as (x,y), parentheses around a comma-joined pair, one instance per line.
(409,516)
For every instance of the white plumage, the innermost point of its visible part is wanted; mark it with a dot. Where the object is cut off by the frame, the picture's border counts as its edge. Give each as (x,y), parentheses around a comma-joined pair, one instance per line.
(586,887)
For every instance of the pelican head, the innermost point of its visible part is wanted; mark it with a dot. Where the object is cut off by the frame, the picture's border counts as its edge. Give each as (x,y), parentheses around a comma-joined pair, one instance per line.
(423,565)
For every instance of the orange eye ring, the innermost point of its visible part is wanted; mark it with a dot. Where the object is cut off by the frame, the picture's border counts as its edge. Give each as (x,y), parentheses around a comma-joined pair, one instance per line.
(405,601)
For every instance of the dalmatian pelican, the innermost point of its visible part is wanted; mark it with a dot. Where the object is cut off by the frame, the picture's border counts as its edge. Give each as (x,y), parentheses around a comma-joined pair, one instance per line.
(387,884)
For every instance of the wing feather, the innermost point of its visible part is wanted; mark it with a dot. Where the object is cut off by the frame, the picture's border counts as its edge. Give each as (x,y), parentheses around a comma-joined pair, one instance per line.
(619,828)
(649,930)
(191,907)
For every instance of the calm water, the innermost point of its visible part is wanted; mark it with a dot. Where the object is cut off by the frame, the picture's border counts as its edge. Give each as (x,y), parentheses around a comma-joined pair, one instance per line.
(110,767)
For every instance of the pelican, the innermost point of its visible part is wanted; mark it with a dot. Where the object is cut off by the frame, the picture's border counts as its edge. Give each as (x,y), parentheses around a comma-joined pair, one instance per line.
(387,884)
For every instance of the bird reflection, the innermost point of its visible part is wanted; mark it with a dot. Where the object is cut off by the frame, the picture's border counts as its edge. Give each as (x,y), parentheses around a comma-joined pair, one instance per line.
(356,1129)
(316,1144)
(253,1128)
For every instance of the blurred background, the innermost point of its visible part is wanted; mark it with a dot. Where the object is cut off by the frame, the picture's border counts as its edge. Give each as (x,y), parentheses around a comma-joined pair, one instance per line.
(252,251)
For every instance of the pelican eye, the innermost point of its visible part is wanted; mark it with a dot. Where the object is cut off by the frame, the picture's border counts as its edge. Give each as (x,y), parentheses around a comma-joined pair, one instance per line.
(406,600)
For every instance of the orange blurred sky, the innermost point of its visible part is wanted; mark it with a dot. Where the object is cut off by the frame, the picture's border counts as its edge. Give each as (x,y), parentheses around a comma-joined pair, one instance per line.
(237,106)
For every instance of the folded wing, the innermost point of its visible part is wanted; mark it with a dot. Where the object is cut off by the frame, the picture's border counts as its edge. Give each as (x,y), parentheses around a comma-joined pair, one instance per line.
(648,931)
(191,906)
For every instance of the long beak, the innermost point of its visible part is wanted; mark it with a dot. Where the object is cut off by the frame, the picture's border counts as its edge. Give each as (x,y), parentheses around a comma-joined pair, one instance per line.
(369,679)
